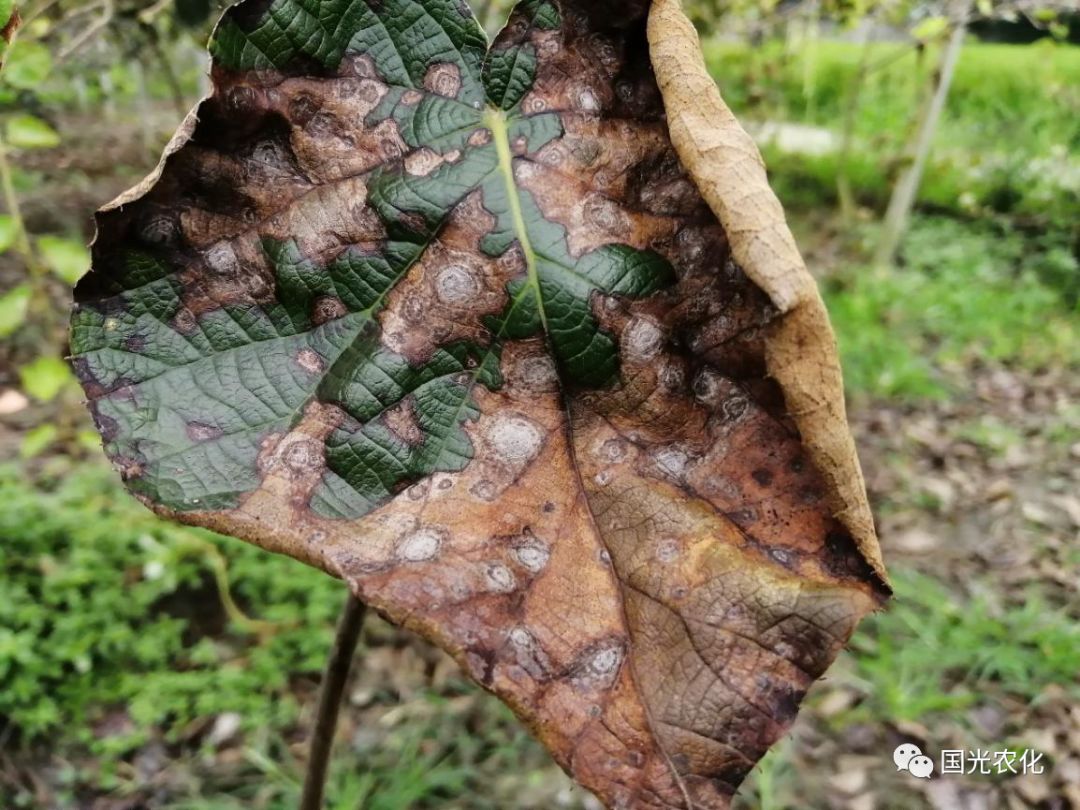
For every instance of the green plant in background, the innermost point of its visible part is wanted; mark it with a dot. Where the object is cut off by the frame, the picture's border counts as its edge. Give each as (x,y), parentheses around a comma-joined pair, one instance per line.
(771,784)
(936,651)
(89,585)
(991,277)
(910,332)
(42,81)
(1003,145)
(27,308)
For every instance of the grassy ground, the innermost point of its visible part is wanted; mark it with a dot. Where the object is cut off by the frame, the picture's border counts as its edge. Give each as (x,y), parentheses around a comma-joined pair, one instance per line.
(967,294)
(1007,143)
(143,664)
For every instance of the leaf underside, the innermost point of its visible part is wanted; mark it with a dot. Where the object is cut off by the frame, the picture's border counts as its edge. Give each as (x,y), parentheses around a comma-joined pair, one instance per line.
(454,324)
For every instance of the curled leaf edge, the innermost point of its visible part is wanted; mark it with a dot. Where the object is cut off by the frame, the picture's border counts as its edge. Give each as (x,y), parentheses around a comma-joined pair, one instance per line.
(801,350)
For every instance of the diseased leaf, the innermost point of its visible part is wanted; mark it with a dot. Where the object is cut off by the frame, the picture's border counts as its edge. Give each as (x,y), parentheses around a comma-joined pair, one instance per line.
(799,348)
(455,325)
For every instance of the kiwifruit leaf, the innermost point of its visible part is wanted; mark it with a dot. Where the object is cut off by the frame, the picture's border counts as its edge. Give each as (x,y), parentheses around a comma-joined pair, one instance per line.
(455,324)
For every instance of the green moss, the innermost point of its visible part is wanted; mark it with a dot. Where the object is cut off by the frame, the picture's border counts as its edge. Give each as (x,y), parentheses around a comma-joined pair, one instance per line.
(105,608)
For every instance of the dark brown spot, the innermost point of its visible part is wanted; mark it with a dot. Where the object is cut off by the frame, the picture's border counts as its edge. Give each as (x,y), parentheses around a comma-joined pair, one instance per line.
(159,230)
(202,432)
(135,343)
(303,108)
(108,427)
(328,308)
(402,422)
(481,665)
(843,559)
(242,99)
(128,468)
(744,517)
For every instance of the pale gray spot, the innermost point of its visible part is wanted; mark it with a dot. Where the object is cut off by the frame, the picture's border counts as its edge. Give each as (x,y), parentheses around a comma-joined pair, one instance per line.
(642,340)
(533,556)
(422,544)
(456,285)
(516,440)
(499,578)
(310,361)
(221,258)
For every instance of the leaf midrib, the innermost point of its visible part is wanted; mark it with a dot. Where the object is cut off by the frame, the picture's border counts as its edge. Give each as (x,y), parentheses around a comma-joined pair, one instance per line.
(495,121)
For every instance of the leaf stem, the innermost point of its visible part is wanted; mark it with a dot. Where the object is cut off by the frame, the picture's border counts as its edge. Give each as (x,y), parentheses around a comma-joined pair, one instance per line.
(201,550)
(22,244)
(483,14)
(11,201)
(350,623)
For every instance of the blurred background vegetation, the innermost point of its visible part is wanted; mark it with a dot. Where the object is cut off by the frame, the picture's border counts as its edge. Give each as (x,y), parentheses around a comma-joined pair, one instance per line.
(147,665)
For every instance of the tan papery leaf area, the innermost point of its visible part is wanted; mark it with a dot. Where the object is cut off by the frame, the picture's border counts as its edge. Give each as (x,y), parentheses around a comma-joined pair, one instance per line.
(801,354)
(514,340)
